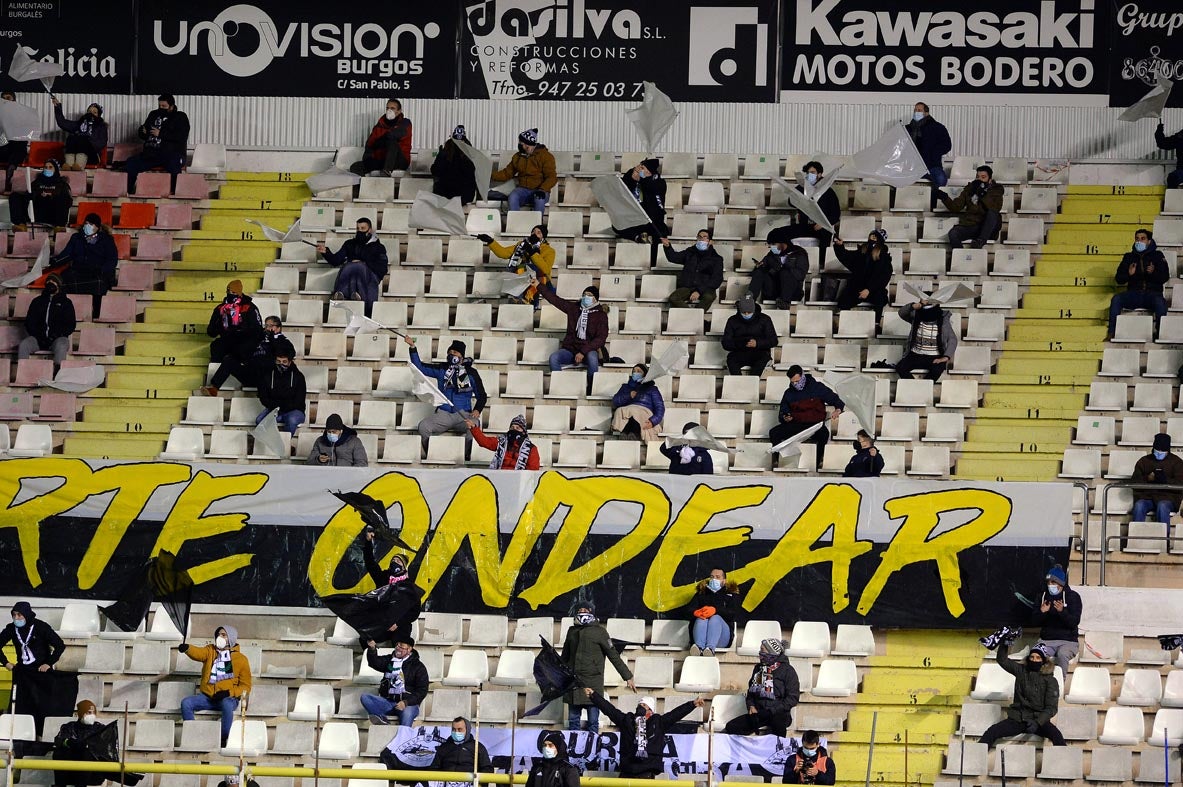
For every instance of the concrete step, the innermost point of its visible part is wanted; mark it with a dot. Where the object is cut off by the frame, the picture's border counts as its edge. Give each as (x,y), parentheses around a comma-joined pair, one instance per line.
(1058,363)
(1067,415)
(235,222)
(1017,431)
(111,446)
(1075,330)
(235,251)
(986,466)
(1115,191)
(256,203)
(924,726)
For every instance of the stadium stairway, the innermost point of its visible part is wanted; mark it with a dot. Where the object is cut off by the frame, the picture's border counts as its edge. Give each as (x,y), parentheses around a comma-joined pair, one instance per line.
(1055,342)
(165,359)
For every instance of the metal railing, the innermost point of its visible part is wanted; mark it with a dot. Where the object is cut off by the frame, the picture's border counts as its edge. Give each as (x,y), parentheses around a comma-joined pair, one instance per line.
(1106,538)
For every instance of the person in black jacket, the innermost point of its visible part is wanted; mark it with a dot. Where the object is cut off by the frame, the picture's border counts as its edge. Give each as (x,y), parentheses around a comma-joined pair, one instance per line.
(773,691)
(642,733)
(460,751)
(235,326)
(803,226)
(870,273)
(404,682)
(50,196)
(92,259)
(1058,616)
(782,272)
(749,338)
(14,152)
(645,183)
(261,360)
(810,764)
(283,387)
(49,323)
(803,405)
(933,142)
(453,173)
(166,138)
(1143,270)
(363,263)
(403,607)
(38,647)
(867,462)
(88,740)
(553,770)
(701,274)
(1174,143)
(713,612)
(87,136)
(688,459)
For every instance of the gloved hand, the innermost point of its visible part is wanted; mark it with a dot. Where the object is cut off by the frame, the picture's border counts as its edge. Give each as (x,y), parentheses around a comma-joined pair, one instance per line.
(183,647)
(483,238)
(220,695)
(540,194)
(1032,727)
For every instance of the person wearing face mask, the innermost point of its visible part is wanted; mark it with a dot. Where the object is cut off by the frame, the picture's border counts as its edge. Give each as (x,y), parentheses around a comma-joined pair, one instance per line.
(14,152)
(1143,270)
(749,338)
(803,226)
(235,326)
(688,459)
(773,691)
(870,272)
(931,340)
(1160,466)
(648,188)
(92,258)
(642,733)
(637,408)
(260,362)
(933,142)
(587,331)
(460,383)
(980,206)
(166,136)
(86,137)
(459,751)
(701,274)
(225,677)
(782,272)
(338,446)
(88,740)
(713,612)
(512,450)
(50,197)
(404,682)
(388,147)
(533,255)
(803,405)
(363,263)
(533,171)
(1037,698)
(404,604)
(38,647)
(452,172)
(49,323)
(1058,618)
(553,770)
(867,462)
(1173,143)
(283,386)
(810,764)
(584,650)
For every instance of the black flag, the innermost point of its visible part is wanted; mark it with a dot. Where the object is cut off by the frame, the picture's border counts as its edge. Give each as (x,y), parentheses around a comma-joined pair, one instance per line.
(373,513)
(158,580)
(553,675)
(372,613)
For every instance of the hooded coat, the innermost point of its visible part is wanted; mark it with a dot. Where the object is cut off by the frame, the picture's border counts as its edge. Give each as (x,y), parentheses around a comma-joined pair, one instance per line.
(415,678)
(649,192)
(863,465)
(737,331)
(406,604)
(92,129)
(657,726)
(597,324)
(1037,695)
(286,390)
(372,253)
(702,271)
(946,336)
(725,600)
(239,681)
(50,317)
(348,451)
(786,688)
(471,396)
(52,187)
(530,170)
(44,644)
(1143,279)
(700,464)
(453,756)
(557,772)
(453,173)
(867,273)
(1053,625)
(584,651)
(90,262)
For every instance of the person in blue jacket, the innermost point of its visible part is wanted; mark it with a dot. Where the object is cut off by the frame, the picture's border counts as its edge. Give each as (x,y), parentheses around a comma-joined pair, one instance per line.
(687,459)
(461,385)
(933,142)
(637,408)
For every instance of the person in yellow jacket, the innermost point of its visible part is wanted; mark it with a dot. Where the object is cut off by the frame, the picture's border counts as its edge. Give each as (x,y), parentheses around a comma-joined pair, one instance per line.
(532,169)
(225,677)
(531,255)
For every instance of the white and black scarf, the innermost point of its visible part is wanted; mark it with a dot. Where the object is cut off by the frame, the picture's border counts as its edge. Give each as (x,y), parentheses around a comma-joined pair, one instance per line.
(456,376)
(524,448)
(581,325)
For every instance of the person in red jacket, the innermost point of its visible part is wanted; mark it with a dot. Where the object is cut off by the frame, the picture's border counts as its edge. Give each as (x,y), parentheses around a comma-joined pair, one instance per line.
(587,331)
(389,145)
(512,450)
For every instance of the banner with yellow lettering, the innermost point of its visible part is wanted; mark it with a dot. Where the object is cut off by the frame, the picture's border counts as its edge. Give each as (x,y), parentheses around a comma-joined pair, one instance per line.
(892,552)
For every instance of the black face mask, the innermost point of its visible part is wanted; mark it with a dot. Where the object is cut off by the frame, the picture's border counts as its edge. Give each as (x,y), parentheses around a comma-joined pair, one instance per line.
(641,711)
(52,289)
(362,237)
(397,570)
(1034,666)
(514,436)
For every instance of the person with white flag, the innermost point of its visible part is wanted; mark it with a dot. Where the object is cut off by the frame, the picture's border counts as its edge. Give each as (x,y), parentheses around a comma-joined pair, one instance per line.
(931,340)
(50,196)
(805,227)
(648,188)
(363,263)
(283,387)
(802,406)
(867,462)
(452,172)
(86,137)
(980,206)
(933,141)
(533,171)
(461,385)
(1172,143)
(14,151)
(531,255)
(49,323)
(688,459)
(870,272)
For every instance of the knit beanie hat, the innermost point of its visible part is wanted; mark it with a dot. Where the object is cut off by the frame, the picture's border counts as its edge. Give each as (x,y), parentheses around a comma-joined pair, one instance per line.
(458,346)
(529,136)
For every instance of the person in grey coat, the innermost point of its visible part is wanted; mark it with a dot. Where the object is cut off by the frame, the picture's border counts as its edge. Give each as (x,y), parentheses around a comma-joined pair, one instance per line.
(931,341)
(338,446)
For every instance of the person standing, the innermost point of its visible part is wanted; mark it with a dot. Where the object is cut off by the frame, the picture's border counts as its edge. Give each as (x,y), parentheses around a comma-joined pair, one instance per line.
(931,340)
(1173,143)
(404,682)
(773,691)
(86,137)
(533,171)
(50,196)
(1160,466)
(1037,697)
(49,323)
(584,651)
(713,612)
(642,733)
(452,172)
(225,677)
(1143,270)
(461,385)
(701,274)
(933,142)
(363,263)
(38,647)
(388,147)
(166,138)
(749,338)
(404,604)
(14,152)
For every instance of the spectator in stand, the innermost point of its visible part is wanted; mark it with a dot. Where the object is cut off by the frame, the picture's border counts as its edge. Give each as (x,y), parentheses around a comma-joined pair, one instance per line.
(587,331)
(645,183)
(338,446)
(1173,143)
(461,384)
(404,683)
(642,733)
(867,462)
(388,148)
(701,274)
(749,337)
(637,408)
(283,387)
(532,169)
(584,650)
(1160,466)
(933,142)
(1058,616)
(50,197)
(37,648)
(980,206)
(71,741)
(803,405)
(363,263)
(225,677)
(810,764)
(86,137)
(460,751)
(870,273)
(553,770)
(452,172)
(773,692)
(260,362)
(803,226)
(92,259)
(534,255)
(404,604)
(688,459)
(1143,270)
(1037,697)
(235,326)
(49,323)
(14,152)
(782,272)
(166,138)
(512,450)
(931,341)
(713,612)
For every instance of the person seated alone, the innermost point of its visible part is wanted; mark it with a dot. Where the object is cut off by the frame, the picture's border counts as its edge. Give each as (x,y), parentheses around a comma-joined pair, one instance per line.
(870,273)
(803,226)
(461,384)
(749,338)
(363,263)
(1143,270)
(867,462)
(88,740)
(388,147)
(49,323)
(92,260)
(225,677)
(701,275)
(810,764)
(166,137)
(1160,466)
(688,459)
(404,682)
(713,611)
(931,340)
(338,446)
(802,406)
(980,206)
(1037,697)
(86,137)
(283,388)
(50,197)
(587,331)
(532,169)
(782,272)
(452,172)
(534,255)
(773,691)
(638,408)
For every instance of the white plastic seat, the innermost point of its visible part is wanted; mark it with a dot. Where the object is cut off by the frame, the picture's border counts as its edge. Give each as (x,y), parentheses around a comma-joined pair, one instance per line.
(487,631)
(754,632)
(1155,768)
(836,678)
(467,668)
(247,739)
(653,672)
(514,668)
(669,635)
(527,631)
(853,640)
(1089,686)
(913,393)
(993,684)
(1140,687)
(1123,726)
(1084,463)
(810,639)
(1095,430)
(309,698)
(447,704)
(699,674)
(80,620)
(185,444)
(968,759)
(441,628)
(977,717)
(1167,728)
(339,740)
(1020,760)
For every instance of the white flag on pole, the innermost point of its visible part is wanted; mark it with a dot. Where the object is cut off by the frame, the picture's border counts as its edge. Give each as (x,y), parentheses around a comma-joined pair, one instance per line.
(892,159)
(653,117)
(1150,105)
(35,272)
(425,389)
(673,360)
(432,212)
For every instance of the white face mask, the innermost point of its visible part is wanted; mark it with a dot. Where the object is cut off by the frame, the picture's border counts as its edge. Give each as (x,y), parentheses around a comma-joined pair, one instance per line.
(811,178)
(714,584)
(702,245)
(1053,589)
(549,752)
(88,719)
(222,643)
(391,114)
(918,116)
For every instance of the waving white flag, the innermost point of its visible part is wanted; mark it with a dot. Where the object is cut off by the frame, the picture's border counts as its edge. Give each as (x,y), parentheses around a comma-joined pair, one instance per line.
(673,360)
(622,207)
(792,447)
(892,159)
(432,212)
(1150,105)
(653,117)
(698,437)
(266,434)
(424,388)
(857,392)
(35,272)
